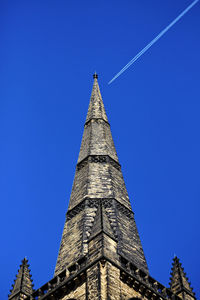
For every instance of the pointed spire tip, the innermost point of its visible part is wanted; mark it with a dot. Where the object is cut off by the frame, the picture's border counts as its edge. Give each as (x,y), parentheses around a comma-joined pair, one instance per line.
(95,75)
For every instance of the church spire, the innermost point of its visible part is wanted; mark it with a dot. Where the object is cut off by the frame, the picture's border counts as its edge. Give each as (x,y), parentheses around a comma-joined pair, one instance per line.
(97,138)
(96,108)
(22,286)
(179,283)
(100,255)
(99,204)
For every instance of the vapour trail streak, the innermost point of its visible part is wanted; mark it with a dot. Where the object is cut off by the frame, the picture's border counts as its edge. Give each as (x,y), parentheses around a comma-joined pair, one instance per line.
(154,40)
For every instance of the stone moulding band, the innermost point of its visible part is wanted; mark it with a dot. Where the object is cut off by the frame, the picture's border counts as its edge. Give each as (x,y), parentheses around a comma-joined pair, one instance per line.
(96,120)
(94,202)
(98,159)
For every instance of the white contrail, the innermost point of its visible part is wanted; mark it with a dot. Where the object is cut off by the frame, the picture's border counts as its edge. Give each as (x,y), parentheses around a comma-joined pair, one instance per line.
(154,40)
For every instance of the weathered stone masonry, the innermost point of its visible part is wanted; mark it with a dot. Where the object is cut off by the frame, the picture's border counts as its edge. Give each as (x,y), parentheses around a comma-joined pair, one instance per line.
(100,255)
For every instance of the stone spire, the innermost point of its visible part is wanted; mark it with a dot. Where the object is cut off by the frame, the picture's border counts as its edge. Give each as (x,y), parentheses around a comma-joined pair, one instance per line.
(97,138)
(96,108)
(179,283)
(99,203)
(22,286)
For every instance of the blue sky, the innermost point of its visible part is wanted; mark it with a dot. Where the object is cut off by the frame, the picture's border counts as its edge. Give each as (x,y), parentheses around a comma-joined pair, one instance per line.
(49,51)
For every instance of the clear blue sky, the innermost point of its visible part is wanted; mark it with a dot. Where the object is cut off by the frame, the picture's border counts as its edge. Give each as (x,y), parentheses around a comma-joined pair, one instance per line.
(49,51)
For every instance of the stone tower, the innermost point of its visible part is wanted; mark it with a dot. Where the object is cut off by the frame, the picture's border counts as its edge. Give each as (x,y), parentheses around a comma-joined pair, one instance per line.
(101,256)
